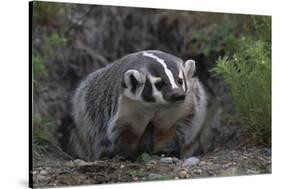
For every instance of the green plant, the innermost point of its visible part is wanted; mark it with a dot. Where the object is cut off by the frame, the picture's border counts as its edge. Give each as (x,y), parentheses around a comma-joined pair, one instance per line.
(55,40)
(162,177)
(247,71)
(38,68)
(50,50)
(49,13)
(212,40)
(38,64)
(262,28)
(41,133)
(144,157)
(136,173)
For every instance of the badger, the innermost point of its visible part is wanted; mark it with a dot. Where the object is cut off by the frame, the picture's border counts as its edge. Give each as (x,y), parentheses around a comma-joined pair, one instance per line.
(147,101)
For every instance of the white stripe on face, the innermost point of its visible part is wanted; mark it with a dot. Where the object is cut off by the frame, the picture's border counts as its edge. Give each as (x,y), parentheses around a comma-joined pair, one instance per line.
(155,93)
(167,71)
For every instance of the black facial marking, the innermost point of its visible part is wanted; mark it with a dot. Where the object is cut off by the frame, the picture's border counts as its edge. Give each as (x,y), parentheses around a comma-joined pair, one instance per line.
(180,81)
(175,95)
(123,84)
(160,84)
(134,83)
(147,91)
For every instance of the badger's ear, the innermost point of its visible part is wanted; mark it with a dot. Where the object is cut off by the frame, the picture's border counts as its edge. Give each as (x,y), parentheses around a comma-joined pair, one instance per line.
(189,67)
(132,79)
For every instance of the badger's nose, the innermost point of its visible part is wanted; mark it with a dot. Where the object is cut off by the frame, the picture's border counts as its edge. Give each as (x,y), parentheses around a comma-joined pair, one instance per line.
(177,95)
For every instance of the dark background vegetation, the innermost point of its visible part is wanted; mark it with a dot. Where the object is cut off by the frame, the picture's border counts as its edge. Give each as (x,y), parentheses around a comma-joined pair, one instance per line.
(233,55)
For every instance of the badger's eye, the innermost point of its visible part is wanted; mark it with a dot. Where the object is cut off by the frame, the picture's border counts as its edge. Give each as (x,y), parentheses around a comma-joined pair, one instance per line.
(180,81)
(160,84)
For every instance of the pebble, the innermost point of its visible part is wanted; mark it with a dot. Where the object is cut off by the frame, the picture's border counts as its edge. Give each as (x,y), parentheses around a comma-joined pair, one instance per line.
(183,174)
(232,171)
(175,159)
(166,160)
(41,177)
(267,151)
(80,162)
(154,176)
(70,164)
(198,171)
(227,165)
(122,166)
(43,172)
(249,171)
(34,172)
(191,161)
(149,165)
(152,162)
(212,167)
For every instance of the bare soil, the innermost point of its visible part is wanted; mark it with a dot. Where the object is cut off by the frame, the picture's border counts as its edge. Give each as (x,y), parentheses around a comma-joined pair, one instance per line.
(52,171)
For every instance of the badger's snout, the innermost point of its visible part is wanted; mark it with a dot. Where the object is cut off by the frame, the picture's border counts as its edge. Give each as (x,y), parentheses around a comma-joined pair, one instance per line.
(176,95)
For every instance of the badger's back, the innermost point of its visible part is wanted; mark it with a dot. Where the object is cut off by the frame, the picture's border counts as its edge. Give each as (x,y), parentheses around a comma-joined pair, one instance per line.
(93,105)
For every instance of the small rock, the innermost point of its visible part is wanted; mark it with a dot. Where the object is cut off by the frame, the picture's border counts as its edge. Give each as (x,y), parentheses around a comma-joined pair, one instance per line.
(122,166)
(154,176)
(175,159)
(70,164)
(80,162)
(166,160)
(152,162)
(191,161)
(43,172)
(41,177)
(149,165)
(34,172)
(176,178)
(183,174)
(227,165)
(202,163)
(232,171)
(197,171)
(249,171)
(212,166)
(267,151)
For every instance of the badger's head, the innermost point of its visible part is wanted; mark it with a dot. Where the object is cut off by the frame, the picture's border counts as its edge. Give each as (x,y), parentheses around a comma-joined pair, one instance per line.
(161,79)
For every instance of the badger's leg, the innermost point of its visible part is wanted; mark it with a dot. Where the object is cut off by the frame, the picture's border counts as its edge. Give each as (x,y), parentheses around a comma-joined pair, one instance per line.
(190,149)
(196,141)
(125,139)
(162,139)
